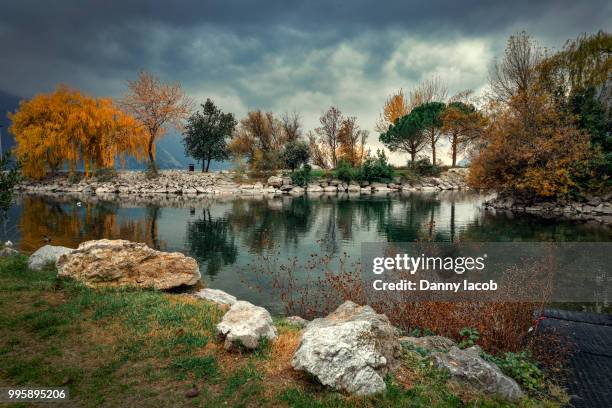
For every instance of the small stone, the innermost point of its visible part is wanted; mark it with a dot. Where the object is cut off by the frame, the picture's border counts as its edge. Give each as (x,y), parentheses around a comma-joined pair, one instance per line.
(467,367)
(217,296)
(8,251)
(275,181)
(296,321)
(48,254)
(431,343)
(192,393)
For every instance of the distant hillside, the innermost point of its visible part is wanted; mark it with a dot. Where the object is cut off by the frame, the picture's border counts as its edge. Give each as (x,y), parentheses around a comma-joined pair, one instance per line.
(170,151)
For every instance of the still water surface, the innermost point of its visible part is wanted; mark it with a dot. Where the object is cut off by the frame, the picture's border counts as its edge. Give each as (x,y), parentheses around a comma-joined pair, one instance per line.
(230,237)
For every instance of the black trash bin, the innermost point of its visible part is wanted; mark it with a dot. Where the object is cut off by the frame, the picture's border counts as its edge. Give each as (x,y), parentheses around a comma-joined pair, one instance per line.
(191,167)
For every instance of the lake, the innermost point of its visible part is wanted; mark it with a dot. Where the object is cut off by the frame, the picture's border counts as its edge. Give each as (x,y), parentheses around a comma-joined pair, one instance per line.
(232,237)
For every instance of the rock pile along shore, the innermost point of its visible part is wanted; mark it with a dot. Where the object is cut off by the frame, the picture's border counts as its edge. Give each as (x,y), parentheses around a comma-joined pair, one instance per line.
(192,184)
(589,208)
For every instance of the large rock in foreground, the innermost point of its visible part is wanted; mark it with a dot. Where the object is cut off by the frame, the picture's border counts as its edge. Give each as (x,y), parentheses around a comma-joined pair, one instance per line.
(352,349)
(115,263)
(246,325)
(48,254)
(466,366)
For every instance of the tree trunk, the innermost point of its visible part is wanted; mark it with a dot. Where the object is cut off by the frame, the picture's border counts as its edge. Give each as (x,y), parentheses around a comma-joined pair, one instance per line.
(150,152)
(207,165)
(454,147)
(433,146)
(412,156)
(433,150)
(203,165)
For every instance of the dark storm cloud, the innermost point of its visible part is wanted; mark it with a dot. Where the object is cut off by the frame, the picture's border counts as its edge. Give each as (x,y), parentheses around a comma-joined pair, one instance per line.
(274,54)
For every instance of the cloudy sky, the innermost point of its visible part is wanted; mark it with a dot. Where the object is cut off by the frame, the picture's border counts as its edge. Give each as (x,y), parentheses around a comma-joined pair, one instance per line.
(275,54)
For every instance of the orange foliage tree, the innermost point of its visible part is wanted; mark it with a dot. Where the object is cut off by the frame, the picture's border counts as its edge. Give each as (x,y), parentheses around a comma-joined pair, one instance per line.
(156,105)
(259,138)
(396,106)
(66,127)
(351,141)
(463,125)
(530,148)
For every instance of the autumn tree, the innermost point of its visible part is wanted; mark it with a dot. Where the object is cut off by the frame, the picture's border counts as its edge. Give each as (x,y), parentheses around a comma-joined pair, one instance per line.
(463,124)
(328,134)
(405,135)
(430,90)
(292,126)
(319,154)
(206,134)
(351,142)
(157,106)
(399,105)
(579,77)
(531,148)
(66,127)
(395,107)
(516,72)
(260,138)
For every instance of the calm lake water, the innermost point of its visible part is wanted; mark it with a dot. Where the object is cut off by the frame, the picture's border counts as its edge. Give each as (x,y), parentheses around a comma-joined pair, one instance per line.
(232,237)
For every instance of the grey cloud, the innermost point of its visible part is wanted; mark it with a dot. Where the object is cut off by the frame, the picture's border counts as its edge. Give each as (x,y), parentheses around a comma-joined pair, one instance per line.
(274,54)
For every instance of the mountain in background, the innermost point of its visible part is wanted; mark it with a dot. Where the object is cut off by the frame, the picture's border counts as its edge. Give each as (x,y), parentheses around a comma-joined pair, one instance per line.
(8,103)
(170,150)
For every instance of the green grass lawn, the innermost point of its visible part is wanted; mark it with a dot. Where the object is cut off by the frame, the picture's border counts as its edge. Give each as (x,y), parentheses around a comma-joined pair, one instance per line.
(142,348)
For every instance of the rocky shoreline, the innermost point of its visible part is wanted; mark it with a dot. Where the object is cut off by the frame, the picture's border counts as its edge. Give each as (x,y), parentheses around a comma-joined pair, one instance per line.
(590,208)
(173,182)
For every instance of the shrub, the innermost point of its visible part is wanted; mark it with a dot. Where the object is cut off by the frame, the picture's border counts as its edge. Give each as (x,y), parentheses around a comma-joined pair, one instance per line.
(376,169)
(345,172)
(424,167)
(302,177)
(296,154)
(105,174)
(496,326)
(468,337)
(75,177)
(9,177)
(521,367)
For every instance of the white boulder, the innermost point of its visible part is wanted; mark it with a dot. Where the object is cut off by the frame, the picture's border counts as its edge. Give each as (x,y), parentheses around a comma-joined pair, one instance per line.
(352,349)
(246,325)
(48,254)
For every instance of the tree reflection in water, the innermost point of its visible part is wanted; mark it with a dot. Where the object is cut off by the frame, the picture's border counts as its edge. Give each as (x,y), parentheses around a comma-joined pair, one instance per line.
(68,222)
(211,242)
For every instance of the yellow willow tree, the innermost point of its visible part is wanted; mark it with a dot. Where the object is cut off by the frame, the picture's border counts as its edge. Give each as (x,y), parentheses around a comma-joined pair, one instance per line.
(156,105)
(66,127)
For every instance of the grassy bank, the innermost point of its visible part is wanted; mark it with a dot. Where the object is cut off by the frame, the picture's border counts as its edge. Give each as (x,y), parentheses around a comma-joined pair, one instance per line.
(144,348)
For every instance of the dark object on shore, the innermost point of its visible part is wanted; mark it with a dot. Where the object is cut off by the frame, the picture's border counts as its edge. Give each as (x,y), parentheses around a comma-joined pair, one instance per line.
(591,363)
(192,393)
(191,167)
